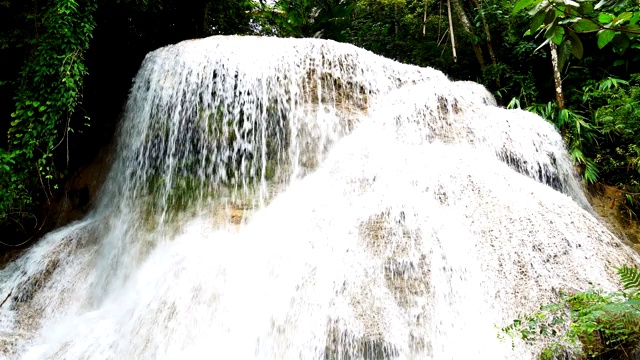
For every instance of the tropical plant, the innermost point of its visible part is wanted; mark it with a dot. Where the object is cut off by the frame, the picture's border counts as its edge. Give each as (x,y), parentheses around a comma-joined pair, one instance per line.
(615,22)
(307,18)
(48,91)
(586,324)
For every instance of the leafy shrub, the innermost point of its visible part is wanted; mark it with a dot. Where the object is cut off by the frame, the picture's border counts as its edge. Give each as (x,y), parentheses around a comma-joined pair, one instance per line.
(619,121)
(588,324)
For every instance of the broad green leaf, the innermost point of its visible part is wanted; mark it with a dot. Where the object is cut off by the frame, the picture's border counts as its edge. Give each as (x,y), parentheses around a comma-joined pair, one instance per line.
(576,45)
(605,37)
(558,35)
(625,16)
(633,30)
(620,43)
(584,25)
(550,16)
(586,7)
(537,21)
(605,18)
(555,33)
(521,5)
(564,50)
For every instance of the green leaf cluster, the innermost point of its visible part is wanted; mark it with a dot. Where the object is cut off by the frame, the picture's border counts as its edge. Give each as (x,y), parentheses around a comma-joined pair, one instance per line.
(602,131)
(307,18)
(615,22)
(617,114)
(48,92)
(579,132)
(587,324)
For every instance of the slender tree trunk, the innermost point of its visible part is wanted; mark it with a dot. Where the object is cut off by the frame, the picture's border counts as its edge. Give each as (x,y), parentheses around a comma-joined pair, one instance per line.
(453,39)
(466,26)
(424,20)
(492,54)
(556,75)
(395,20)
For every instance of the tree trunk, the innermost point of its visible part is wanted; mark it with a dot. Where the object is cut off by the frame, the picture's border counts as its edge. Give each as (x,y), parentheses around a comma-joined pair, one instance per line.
(395,20)
(453,39)
(492,54)
(556,75)
(468,29)
(424,20)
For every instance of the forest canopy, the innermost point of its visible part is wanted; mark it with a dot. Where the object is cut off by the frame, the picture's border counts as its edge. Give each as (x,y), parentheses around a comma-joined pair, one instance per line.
(68,64)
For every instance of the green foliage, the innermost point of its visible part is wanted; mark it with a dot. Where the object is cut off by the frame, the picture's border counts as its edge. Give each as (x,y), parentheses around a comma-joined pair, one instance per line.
(308,18)
(629,277)
(189,19)
(588,324)
(615,22)
(618,115)
(602,131)
(15,198)
(394,29)
(46,94)
(49,90)
(597,46)
(579,134)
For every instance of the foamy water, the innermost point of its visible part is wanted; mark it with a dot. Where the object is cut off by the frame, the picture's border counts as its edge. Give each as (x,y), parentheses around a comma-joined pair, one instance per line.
(320,203)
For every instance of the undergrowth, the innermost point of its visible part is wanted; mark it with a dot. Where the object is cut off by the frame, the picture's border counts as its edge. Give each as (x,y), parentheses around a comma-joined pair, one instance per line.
(592,324)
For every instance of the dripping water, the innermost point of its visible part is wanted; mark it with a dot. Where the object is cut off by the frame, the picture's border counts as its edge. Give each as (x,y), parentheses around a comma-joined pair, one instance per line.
(305,199)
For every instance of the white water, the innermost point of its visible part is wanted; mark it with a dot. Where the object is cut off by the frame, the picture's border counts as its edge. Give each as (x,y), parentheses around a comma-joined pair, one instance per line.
(304,199)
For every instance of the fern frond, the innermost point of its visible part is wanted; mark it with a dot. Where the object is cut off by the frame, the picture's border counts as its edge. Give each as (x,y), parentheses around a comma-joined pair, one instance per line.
(629,277)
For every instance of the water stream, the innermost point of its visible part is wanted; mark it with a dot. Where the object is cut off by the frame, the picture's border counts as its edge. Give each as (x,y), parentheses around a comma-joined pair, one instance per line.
(305,199)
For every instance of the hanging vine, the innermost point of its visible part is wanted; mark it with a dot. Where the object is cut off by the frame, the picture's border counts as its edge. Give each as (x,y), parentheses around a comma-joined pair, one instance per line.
(49,89)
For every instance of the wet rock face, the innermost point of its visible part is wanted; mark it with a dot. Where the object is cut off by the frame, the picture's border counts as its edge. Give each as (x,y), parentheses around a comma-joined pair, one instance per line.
(451,115)
(344,345)
(388,237)
(82,190)
(79,195)
(406,276)
(547,174)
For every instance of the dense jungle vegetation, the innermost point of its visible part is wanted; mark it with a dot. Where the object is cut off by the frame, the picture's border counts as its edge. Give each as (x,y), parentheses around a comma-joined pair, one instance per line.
(67,66)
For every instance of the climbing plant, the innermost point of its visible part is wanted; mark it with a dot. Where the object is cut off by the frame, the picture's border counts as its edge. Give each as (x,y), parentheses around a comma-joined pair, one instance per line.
(49,90)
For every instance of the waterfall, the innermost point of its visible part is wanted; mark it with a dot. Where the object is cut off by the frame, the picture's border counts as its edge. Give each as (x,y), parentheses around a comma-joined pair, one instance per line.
(306,199)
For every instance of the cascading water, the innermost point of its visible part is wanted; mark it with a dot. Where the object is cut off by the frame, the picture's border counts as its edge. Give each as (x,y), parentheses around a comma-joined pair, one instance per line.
(305,199)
